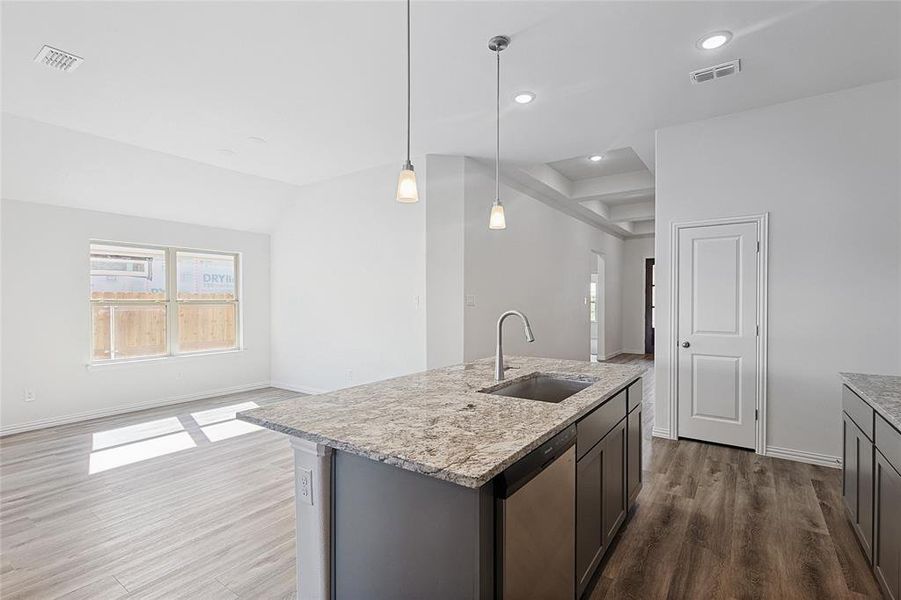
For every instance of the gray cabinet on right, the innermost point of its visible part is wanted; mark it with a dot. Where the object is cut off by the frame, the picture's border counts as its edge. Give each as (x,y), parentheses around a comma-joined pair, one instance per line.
(871,487)
(887,545)
(857,482)
(887,509)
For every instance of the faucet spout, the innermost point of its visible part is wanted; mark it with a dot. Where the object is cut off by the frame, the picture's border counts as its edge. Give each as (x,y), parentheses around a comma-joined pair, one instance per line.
(499,352)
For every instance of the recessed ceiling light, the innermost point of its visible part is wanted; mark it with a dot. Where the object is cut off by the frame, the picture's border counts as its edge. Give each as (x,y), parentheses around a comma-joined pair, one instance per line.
(524,97)
(596,158)
(714,40)
(256,139)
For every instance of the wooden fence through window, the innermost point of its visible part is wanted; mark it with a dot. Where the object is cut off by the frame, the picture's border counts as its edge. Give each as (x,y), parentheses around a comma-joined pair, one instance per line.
(140,329)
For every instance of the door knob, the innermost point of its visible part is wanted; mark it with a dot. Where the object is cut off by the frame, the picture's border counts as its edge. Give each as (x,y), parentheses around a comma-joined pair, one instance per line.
(685,344)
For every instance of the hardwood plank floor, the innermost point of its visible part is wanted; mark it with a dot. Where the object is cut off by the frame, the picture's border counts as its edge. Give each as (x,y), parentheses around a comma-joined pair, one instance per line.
(212,520)
(717,522)
(215,519)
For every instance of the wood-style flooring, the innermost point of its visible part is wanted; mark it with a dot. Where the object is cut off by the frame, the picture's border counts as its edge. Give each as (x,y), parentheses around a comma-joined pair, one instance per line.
(216,520)
(718,522)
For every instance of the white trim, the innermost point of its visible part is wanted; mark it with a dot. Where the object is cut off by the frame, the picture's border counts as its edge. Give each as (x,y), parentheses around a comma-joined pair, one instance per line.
(812,458)
(298,387)
(122,409)
(661,432)
(171,302)
(762,222)
(106,364)
(313,518)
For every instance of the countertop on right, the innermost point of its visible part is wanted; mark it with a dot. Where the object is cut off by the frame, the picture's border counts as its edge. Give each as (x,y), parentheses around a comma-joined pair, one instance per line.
(882,392)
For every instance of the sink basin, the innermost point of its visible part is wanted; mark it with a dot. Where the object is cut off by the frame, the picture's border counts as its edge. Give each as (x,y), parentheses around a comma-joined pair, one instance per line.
(544,388)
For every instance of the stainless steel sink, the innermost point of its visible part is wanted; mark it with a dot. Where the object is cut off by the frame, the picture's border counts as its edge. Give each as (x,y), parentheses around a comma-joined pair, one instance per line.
(544,388)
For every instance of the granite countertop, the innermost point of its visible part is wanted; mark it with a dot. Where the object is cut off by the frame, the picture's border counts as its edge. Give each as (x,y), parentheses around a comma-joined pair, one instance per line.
(438,423)
(882,392)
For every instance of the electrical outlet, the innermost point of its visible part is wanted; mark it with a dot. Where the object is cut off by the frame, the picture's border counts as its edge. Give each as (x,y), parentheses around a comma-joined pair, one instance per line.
(28,396)
(305,486)
(470,300)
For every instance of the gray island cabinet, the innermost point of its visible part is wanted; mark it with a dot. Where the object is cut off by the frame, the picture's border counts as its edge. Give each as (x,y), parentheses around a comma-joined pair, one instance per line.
(608,450)
(871,471)
(436,485)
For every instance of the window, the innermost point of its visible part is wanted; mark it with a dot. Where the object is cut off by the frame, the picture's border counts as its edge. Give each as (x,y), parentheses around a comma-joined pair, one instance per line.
(207,301)
(593,301)
(150,302)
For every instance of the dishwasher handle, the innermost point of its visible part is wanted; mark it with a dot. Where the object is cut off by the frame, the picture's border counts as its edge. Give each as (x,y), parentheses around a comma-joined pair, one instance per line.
(522,471)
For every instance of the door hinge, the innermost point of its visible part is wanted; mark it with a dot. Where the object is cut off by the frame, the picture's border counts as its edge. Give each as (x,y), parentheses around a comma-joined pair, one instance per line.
(755,414)
(758,246)
(758,330)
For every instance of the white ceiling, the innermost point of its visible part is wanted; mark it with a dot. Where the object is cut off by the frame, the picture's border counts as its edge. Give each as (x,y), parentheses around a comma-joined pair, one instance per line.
(53,165)
(323,82)
(614,162)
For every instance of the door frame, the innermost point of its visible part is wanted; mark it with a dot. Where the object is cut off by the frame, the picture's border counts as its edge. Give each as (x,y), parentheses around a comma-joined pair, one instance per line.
(762,222)
(649,330)
(601,257)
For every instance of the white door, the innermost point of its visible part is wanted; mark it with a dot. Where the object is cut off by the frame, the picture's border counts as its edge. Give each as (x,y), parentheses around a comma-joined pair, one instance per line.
(717,333)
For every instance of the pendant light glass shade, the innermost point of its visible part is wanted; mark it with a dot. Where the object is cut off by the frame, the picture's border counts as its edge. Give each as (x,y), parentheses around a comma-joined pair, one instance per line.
(406,185)
(406,182)
(497,220)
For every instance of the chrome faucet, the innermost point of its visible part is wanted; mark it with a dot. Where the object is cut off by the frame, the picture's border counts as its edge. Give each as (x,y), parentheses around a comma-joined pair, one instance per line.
(499,354)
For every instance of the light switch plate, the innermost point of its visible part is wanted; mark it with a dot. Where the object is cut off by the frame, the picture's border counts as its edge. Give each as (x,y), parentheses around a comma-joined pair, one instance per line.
(470,300)
(305,486)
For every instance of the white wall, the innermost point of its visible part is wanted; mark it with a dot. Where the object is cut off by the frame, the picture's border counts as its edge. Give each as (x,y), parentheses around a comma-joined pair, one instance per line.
(596,343)
(348,283)
(444,255)
(827,170)
(635,252)
(46,319)
(540,264)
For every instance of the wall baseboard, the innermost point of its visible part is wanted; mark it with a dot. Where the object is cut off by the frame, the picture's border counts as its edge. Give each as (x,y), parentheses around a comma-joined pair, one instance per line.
(660,432)
(813,458)
(612,354)
(119,410)
(296,387)
(628,351)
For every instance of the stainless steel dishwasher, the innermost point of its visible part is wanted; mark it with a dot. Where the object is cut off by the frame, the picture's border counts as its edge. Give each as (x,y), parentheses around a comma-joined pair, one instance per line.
(535,523)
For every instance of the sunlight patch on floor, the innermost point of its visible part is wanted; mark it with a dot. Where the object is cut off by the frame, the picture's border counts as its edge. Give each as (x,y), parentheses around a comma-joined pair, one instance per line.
(127,454)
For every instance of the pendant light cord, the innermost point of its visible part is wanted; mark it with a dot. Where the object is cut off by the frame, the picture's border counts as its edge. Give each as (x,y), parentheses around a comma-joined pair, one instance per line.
(408,82)
(497,140)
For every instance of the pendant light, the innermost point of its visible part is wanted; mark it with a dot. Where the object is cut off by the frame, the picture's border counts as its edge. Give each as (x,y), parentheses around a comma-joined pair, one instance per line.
(406,182)
(497,44)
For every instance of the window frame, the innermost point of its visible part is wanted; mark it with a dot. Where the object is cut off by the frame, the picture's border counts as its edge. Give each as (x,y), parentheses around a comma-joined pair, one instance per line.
(172,279)
(171,303)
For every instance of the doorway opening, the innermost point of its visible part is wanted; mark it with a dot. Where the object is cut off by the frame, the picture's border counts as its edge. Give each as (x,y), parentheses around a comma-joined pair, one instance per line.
(649,304)
(596,304)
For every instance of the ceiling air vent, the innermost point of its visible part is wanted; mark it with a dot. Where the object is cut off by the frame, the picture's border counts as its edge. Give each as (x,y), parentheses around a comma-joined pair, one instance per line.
(715,72)
(58,60)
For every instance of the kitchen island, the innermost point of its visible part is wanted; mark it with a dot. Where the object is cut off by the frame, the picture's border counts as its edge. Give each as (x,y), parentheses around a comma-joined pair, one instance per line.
(397,482)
